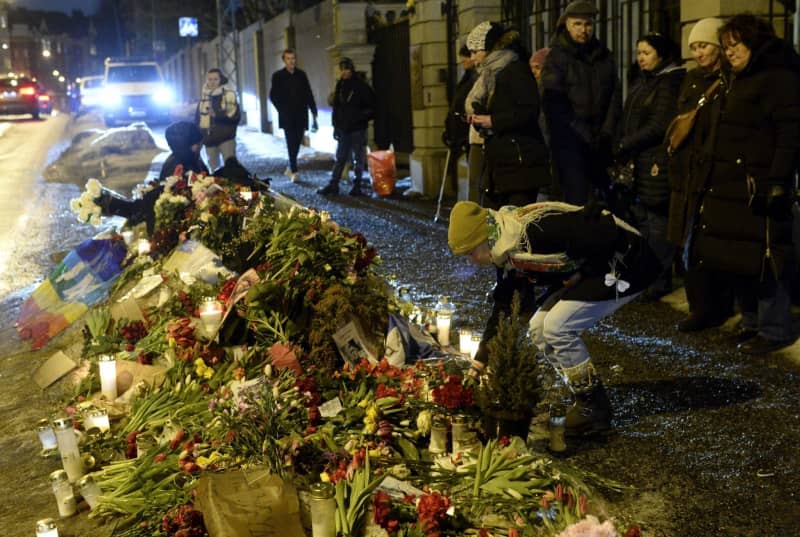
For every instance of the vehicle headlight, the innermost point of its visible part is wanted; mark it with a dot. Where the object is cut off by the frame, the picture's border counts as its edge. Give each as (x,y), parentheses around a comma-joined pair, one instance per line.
(163,95)
(111,98)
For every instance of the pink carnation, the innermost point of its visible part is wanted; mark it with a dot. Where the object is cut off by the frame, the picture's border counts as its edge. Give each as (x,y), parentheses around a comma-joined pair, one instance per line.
(590,527)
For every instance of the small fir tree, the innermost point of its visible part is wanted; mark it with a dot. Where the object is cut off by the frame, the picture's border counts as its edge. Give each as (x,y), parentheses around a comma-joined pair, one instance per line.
(510,386)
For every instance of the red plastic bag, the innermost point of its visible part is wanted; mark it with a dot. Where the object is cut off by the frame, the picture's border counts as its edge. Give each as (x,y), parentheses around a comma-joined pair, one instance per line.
(383,170)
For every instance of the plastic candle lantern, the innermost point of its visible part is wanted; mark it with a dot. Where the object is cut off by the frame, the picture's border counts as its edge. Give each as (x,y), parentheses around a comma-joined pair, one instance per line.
(89,489)
(46,436)
(46,528)
(438,443)
(444,315)
(211,313)
(475,343)
(97,418)
(323,510)
(68,447)
(464,340)
(143,246)
(558,420)
(65,498)
(108,376)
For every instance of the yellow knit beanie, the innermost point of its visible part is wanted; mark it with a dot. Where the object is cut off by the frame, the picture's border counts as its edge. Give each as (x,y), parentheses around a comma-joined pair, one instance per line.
(469,227)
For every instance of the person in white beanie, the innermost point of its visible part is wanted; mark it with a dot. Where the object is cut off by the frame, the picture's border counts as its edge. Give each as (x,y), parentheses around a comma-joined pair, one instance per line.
(708,292)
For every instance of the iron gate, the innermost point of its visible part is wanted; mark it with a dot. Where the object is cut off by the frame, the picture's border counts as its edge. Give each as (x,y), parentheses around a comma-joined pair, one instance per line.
(390,67)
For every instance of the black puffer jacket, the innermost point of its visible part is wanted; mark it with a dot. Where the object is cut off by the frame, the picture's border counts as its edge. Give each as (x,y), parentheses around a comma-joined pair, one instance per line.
(759,137)
(649,108)
(353,103)
(516,152)
(582,98)
(690,166)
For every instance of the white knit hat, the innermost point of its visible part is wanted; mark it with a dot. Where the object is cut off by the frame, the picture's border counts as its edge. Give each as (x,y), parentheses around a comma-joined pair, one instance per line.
(476,40)
(705,31)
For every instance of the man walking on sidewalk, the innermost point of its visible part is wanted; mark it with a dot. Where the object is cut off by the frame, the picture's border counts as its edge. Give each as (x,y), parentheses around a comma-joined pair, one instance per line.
(353,103)
(291,94)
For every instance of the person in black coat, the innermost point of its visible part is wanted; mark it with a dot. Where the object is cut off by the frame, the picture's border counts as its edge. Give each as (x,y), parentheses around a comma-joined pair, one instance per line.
(353,103)
(456,129)
(582,101)
(291,94)
(709,293)
(592,262)
(503,106)
(648,110)
(744,223)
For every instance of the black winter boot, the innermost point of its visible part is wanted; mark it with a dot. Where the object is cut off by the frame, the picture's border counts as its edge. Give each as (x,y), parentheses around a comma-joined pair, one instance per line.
(591,410)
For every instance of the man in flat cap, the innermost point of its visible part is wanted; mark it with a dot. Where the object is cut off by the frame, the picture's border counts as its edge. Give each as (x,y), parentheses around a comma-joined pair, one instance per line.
(582,101)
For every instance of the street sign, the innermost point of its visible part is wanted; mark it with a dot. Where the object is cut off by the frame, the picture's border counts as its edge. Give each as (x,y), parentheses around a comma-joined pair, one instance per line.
(187,27)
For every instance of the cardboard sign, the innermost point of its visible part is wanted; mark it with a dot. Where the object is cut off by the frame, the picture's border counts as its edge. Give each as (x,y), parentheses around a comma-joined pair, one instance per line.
(128,309)
(353,344)
(53,369)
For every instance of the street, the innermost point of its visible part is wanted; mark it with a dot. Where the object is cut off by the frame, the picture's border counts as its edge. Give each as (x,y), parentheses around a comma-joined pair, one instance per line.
(705,436)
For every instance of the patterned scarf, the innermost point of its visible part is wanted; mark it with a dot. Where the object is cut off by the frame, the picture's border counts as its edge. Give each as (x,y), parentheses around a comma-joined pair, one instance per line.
(483,89)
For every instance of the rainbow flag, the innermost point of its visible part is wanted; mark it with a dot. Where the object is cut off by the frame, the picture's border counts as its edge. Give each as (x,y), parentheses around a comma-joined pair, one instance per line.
(81,280)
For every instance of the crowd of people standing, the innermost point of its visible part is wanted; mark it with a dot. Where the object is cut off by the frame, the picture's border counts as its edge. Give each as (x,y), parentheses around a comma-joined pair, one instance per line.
(694,173)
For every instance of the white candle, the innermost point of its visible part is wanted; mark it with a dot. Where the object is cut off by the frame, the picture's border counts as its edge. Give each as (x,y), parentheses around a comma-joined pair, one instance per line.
(97,418)
(46,528)
(443,328)
(143,246)
(464,340)
(475,344)
(46,435)
(246,195)
(211,313)
(127,236)
(89,489)
(323,510)
(68,447)
(108,376)
(65,498)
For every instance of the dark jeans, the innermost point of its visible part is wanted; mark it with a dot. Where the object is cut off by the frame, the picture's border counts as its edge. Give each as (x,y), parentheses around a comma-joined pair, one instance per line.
(766,305)
(352,146)
(581,173)
(653,227)
(294,137)
(709,293)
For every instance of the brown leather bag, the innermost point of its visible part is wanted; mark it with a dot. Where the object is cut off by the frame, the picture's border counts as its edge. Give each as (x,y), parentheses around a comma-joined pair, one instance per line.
(680,127)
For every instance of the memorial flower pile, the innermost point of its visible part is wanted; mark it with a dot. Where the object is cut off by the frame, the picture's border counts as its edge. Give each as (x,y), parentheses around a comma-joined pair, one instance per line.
(268,386)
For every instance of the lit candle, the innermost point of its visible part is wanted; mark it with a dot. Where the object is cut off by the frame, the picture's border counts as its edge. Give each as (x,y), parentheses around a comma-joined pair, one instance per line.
(46,436)
(475,343)
(246,195)
(65,498)
(97,417)
(438,443)
(464,340)
(68,447)
(89,489)
(323,510)
(143,246)
(211,313)
(46,528)
(108,376)
(443,327)
(127,236)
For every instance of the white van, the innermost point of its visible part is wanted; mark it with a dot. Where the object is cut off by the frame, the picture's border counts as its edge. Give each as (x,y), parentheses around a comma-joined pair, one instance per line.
(134,89)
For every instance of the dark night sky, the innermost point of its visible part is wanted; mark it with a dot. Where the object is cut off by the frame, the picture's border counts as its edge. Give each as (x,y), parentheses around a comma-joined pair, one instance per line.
(87,6)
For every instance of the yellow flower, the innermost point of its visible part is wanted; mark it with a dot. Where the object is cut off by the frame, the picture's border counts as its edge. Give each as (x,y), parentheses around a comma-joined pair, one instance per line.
(372,412)
(374,452)
(363,403)
(324,477)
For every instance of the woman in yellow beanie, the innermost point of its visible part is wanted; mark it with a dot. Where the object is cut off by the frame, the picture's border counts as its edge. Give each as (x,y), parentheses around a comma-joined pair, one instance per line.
(592,263)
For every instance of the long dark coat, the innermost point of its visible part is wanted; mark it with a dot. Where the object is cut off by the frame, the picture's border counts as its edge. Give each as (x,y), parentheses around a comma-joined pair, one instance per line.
(292,96)
(649,108)
(690,166)
(758,137)
(516,152)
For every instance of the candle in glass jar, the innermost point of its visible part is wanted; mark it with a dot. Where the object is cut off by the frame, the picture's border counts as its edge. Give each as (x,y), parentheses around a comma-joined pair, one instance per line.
(65,498)
(211,313)
(97,417)
(443,327)
(108,376)
(475,343)
(438,443)
(46,435)
(323,510)
(89,489)
(68,447)
(464,340)
(46,528)
(143,246)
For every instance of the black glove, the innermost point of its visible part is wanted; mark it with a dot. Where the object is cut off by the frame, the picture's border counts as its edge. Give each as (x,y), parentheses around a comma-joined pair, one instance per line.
(445,139)
(593,210)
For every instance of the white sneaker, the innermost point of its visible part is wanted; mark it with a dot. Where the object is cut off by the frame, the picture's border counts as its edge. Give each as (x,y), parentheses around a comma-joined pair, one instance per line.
(287,172)
(294,176)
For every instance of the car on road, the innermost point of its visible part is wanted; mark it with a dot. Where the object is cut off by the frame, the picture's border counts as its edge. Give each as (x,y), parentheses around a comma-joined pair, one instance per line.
(134,89)
(20,96)
(91,92)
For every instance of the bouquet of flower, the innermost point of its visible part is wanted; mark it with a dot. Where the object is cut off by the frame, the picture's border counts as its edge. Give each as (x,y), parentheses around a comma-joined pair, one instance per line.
(84,207)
